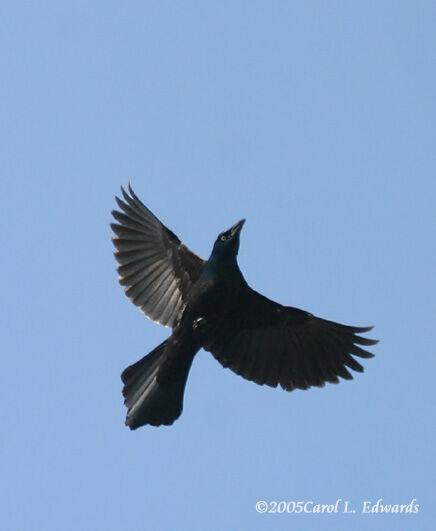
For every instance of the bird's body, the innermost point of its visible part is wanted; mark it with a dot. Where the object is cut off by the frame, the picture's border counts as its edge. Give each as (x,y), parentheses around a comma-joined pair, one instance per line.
(209,305)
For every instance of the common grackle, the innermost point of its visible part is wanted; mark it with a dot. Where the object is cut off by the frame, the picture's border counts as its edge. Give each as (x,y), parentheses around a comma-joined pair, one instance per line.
(208,304)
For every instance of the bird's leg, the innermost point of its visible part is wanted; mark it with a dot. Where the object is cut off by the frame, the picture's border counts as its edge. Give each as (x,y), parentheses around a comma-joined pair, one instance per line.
(198,324)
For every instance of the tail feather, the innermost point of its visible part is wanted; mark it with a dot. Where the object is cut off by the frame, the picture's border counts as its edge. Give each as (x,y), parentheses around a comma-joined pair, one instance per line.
(150,401)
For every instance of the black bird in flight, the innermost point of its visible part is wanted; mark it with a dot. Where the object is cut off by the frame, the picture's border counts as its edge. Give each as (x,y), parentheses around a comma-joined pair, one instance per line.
(208,304)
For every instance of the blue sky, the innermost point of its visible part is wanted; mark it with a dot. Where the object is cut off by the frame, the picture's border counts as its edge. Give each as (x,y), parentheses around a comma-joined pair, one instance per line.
(315,122)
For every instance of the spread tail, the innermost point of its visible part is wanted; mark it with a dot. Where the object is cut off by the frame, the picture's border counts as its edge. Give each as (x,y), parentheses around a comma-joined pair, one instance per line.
(151,400)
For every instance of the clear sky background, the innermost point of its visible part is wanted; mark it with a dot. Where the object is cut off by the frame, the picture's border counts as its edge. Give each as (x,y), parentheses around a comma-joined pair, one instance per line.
(315,122)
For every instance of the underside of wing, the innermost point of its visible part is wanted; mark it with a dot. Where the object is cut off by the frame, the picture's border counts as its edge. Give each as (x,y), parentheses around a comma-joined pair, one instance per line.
(277,345)
(155,267)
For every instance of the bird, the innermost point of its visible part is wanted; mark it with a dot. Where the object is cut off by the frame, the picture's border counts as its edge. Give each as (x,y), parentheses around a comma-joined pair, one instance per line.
(208,304)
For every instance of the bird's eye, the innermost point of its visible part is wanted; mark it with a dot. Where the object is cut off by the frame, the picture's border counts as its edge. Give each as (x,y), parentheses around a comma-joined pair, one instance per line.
(223,237)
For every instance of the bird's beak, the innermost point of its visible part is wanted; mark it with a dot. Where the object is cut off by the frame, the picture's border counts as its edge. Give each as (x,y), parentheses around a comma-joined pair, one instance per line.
(236,229)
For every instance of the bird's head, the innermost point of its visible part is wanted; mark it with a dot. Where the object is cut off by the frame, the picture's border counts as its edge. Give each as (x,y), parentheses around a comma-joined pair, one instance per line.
(227,243)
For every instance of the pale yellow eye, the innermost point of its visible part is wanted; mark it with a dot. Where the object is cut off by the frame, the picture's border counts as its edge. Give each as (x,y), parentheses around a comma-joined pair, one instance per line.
(223,237)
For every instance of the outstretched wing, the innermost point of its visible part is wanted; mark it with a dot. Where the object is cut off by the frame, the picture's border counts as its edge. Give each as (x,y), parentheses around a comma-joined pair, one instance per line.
(272,344)
(153,264)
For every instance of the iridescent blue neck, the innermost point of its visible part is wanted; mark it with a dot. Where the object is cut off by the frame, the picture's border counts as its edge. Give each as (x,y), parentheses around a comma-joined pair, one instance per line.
(223,268)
